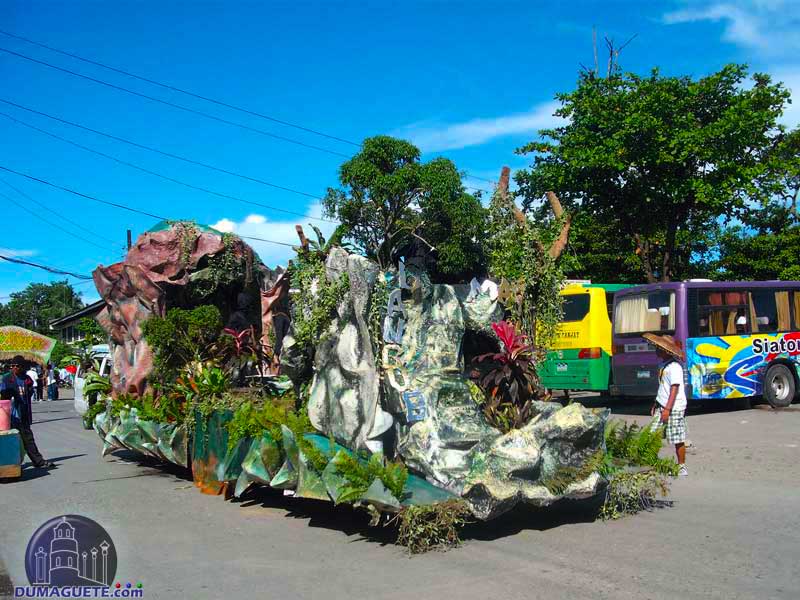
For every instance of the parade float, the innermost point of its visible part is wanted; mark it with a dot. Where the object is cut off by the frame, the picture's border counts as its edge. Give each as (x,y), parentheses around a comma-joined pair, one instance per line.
(344,381)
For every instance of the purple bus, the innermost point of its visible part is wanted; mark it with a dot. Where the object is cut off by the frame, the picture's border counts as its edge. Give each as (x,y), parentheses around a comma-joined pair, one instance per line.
(741,339)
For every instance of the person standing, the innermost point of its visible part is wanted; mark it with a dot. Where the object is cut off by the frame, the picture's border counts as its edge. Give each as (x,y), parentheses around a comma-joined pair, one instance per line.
(12,387)
(34,376)
(40,388)
(670,406)
(52,385)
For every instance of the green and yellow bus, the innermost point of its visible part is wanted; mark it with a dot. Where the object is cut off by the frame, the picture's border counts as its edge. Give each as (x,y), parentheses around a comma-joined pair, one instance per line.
(581,354)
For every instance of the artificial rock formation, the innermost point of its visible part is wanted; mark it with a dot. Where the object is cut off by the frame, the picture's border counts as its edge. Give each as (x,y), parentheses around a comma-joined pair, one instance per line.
(172,265)
(423,393)
(345,391)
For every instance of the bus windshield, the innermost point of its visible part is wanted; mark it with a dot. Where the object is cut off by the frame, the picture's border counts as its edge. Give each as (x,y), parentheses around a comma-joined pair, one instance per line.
(575,307)
(647,312)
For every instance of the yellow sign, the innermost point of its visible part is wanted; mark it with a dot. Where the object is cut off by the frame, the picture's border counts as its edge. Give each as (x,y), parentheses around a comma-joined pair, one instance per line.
(26,343)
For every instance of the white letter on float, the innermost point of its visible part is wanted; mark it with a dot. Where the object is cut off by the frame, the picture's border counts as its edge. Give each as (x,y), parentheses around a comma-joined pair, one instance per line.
(402,276)
(395,304)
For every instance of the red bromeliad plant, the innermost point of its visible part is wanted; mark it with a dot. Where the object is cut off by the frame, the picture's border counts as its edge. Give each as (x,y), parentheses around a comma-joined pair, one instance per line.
(508,379)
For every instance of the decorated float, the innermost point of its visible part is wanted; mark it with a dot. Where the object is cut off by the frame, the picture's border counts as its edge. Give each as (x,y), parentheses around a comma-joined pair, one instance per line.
(345,380)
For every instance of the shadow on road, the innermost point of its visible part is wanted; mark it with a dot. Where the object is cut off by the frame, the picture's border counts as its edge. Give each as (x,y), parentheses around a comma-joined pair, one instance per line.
(29,472)
(355,522)
(40,421)
(158,467)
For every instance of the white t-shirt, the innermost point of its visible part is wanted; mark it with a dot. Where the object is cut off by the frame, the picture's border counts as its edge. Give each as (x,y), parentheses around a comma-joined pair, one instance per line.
(670,375)
(33,375)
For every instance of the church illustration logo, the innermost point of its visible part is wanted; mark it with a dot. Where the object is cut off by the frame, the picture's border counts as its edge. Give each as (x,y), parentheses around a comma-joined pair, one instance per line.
(71,551)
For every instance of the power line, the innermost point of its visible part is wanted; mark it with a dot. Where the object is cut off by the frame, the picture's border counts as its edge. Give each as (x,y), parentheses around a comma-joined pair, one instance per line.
(181,90)
(64,189)
(123,207)
(155,173)
(173,105)
(68,220)
(169,155)
(56,225)
(476,177)
(188,93)
(54,270)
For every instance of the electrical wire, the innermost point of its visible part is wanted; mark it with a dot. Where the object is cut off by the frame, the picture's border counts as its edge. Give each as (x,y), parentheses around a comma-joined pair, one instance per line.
(123,207)
(67,219)
(65,189)
(167,154)
(53,270)
(174,105)
(173,88)
(157,174)
(55,225)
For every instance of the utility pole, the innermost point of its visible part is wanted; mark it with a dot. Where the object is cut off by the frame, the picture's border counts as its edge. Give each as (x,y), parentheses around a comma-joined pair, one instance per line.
(129,239)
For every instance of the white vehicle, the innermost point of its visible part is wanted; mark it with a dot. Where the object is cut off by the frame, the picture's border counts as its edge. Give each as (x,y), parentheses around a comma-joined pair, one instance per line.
(101,354)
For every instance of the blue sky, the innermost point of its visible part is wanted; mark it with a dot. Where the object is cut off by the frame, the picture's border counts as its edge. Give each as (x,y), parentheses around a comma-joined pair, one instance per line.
(467,80)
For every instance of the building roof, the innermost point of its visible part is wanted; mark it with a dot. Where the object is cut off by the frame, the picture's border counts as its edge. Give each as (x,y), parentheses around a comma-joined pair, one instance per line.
(87,311)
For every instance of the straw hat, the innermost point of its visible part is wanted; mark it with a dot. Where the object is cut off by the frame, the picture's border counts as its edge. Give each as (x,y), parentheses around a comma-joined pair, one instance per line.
(666,343)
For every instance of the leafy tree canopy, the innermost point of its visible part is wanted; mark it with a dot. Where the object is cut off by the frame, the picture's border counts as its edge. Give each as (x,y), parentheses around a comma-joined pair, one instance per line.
(392,202)
(39,304)
(658,157)
(759,257)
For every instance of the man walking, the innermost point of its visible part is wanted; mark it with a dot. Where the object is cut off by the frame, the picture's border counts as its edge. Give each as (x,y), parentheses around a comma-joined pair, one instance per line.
(12,387)
(670,406)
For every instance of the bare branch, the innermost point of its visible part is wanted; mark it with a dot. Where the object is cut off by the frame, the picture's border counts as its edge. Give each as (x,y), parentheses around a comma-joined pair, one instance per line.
(561,241)
(633,37)
(555,204)
(502,188)
(302,236)
(594,47)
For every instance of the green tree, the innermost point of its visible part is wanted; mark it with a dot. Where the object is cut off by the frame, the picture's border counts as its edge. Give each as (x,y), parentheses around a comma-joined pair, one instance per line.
(391,202)
(658,158)
(782,181)
(91,330)
(39,304)
(759,256)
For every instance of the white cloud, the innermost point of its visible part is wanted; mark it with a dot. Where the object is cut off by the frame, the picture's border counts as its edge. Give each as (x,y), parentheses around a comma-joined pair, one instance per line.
(224,225)
(259,226)
(14,253)
(770,27)
(439,137)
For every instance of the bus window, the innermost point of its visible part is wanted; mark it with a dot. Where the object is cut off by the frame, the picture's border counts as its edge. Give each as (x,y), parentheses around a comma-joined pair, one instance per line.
(796,306)
(720,313)
(575,307)
(769,311)
(610,305)
(640,313)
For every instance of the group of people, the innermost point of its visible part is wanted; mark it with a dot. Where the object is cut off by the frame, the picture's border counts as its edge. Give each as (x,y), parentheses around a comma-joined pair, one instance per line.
(45,381)
(18,386)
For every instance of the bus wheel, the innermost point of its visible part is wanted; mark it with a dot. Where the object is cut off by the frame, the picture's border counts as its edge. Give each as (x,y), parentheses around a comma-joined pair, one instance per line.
(779,386)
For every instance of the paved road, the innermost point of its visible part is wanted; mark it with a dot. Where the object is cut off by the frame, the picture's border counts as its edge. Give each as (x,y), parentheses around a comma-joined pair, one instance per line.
(733,531)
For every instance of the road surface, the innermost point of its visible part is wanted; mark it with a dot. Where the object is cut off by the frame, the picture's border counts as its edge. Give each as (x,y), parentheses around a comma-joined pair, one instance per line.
(732,532)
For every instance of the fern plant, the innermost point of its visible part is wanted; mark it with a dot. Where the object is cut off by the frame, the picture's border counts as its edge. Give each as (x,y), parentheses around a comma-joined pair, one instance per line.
(359,476)
(632,444)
